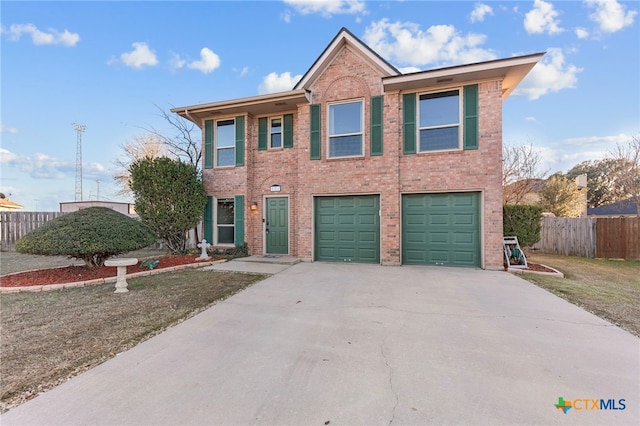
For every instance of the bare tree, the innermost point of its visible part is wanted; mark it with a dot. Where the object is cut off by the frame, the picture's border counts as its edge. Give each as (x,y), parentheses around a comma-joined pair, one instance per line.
(141,146)
(185,143)
(629,156)
(521,172)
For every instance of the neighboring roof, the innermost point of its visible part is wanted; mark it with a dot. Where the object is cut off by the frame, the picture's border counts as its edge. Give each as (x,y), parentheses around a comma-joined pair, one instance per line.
(511,70)
(7,204)
(533,185)
(344,38)
(625,207)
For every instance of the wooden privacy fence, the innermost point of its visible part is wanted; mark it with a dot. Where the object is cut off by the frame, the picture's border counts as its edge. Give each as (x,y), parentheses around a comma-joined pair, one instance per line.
(14,225)
(618,238)
(609,238)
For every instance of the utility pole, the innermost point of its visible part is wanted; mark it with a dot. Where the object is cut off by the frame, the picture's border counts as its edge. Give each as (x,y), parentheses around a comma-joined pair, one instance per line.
(79,130)
(98,196)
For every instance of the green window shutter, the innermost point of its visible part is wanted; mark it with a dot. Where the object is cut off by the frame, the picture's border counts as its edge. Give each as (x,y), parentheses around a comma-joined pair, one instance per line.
(208,220)
(314,137)
(262,133)
(409,123)
(376,125)
(287,128)
(208,144)
(470,107)
(240,141)
(238,219)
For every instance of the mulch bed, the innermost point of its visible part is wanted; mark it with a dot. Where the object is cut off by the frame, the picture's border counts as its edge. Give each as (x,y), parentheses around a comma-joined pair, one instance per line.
(70,274)
(537,268)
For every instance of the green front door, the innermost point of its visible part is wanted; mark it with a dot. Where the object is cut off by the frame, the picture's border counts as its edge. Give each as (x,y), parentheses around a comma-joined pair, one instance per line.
(347,228)
(441,229)
(277,225)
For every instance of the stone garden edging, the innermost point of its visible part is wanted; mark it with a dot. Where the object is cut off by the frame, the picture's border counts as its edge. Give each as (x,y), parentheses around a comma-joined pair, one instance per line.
(48,287)
(556,273)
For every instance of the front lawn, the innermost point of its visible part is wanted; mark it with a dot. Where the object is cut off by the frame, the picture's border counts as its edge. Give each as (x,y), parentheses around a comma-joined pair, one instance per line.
(50,336)
(609,289)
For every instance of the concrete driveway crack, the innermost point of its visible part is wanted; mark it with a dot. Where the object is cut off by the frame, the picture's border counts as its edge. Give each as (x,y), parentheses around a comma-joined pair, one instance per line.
(395,406)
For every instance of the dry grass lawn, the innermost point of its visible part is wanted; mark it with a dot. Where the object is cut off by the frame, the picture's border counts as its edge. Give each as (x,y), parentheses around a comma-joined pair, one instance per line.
(609,289)
(50,336)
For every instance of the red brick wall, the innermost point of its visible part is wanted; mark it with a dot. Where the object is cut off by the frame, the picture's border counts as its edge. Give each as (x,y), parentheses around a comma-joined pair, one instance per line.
(348,77)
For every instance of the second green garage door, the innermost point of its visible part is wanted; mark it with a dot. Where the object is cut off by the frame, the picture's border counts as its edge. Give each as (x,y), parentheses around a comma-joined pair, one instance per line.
(347,228)
(441,229)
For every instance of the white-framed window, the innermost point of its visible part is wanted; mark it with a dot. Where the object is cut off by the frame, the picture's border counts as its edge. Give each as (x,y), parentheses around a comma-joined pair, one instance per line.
(275,132)
(346,123)
(439,121)
(225,230)
(225,139)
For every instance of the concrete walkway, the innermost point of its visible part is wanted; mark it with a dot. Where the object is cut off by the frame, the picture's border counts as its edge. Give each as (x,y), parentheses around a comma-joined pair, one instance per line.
(353,344)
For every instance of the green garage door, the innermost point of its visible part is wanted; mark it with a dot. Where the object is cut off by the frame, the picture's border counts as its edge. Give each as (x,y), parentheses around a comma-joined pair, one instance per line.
(347,228)
(441,229)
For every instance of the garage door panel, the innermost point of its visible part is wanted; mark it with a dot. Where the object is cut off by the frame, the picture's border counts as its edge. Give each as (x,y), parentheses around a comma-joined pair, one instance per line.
(441,229)
(347,236)
(438,219)
(356,222)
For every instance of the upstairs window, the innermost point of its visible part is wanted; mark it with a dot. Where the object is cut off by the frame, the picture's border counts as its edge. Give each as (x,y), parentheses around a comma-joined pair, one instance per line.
(439,115)
(346,121)
(225,143)
(275,133)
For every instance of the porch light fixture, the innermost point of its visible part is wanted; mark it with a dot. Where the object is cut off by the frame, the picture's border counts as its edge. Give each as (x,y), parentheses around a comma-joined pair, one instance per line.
(254,205)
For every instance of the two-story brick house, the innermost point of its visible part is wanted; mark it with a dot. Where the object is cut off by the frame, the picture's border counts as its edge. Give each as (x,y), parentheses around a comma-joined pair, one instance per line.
(362,163)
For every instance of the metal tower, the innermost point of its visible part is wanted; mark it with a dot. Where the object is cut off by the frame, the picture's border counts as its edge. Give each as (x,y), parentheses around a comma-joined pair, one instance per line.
(79,130)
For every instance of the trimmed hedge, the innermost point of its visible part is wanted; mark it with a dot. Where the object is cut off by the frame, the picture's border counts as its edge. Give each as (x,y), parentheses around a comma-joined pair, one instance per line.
(523,221)
(93,235)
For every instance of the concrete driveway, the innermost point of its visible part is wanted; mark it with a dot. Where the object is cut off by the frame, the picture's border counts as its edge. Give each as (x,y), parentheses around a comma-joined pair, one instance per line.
(354,344)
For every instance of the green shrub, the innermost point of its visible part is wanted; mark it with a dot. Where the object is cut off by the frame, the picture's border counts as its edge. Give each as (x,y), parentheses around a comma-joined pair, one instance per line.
(524,222)
(93,235)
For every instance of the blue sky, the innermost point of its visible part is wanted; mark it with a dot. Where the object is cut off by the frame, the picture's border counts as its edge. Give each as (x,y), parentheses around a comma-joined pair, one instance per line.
(110,65)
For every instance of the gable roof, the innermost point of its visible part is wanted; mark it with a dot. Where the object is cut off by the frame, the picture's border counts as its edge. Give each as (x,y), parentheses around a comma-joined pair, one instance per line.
(344,38)
(620,208)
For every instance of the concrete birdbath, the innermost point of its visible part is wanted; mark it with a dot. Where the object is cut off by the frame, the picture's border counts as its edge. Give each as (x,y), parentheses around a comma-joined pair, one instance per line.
(121,264)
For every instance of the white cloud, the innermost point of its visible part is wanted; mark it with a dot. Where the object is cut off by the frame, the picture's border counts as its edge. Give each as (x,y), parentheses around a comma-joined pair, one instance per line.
(542,19)
(407,44)
(244,71)
(603,141)
(582,33)
(531,119)
(327,8)
(208,62)
(140,56)
(6,129)
(610,15)
(551,74)
(42,166)
(64,38)
(176,62)
(278,83)
(480,11)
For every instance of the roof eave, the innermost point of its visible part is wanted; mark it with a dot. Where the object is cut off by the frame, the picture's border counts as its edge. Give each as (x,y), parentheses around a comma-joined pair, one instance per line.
(511,71)
(255,105)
